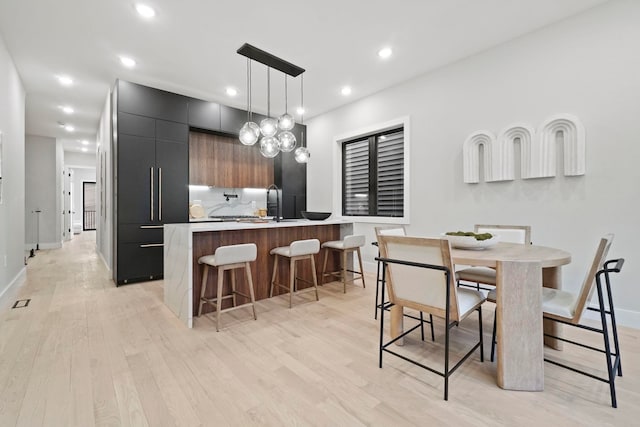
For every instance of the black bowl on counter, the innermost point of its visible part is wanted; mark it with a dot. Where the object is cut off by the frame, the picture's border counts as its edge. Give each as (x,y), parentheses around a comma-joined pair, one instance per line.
(315,216)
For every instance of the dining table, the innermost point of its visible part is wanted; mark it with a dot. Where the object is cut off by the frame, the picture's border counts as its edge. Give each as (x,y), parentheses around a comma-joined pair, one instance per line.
(521,272)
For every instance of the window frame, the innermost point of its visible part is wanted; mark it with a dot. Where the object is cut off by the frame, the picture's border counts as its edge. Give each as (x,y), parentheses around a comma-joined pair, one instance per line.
(374,129)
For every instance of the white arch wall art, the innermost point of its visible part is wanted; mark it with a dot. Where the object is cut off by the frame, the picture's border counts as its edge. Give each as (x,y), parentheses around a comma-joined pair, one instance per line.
(537,150)
(471,156)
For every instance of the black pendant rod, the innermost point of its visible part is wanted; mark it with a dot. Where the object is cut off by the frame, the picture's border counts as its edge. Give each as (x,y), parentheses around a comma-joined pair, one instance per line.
(270,60)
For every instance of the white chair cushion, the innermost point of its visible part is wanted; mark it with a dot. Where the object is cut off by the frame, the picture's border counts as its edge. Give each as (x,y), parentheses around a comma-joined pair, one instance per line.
(492,296)
(298,248)
(560,303)
(353,241)
(468,299)
(478,274)
(232,254)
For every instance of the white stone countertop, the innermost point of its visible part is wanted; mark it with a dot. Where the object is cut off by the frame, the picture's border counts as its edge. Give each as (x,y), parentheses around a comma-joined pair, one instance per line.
(196,227)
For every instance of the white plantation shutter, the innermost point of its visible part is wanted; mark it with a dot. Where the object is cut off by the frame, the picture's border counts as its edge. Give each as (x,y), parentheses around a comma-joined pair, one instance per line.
(356,178)
(373,175)
(391,175)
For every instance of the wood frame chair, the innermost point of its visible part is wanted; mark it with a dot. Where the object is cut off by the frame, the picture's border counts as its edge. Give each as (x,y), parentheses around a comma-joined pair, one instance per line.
(297,251)
(381,304)
(486,275)
(420,275)
(350,244)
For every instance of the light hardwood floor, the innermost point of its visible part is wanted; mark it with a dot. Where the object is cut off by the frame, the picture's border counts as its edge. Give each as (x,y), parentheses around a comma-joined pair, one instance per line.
(87,353)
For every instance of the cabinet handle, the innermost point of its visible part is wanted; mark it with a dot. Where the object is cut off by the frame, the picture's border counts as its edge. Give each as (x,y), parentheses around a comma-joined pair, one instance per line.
(151,226)
(159,194)
(151,245)
(151,181)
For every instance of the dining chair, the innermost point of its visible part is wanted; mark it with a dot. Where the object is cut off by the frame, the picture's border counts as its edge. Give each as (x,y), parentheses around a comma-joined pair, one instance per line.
(383,305)
(419,273)
(486,275)
(568,308)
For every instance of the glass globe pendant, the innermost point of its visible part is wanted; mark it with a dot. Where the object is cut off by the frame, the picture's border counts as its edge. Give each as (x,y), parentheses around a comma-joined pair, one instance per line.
(286,141)
(302,154)
(249,133)
(268,127)
(286,122)
(269,147)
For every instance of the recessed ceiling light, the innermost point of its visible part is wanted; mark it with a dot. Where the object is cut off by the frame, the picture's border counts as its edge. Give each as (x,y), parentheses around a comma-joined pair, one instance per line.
(66,109)
(145,11)
(346,90)
(300,111)
(65,80)
(69,128)
(231,91)
(85,149)
(385,52)
(127,62)
(85,142)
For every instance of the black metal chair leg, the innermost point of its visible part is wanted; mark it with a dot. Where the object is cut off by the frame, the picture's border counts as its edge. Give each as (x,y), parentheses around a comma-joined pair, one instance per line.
(493,337)
(377,290)
(614,326)
(480,329)
(433,337)
(422,326)
(607,345)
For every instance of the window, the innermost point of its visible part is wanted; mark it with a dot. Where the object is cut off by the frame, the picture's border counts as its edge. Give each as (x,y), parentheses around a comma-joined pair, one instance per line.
(373,175)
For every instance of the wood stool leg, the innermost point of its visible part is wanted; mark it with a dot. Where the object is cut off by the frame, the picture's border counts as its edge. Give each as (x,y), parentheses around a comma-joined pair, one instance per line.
(203,288)
(292,278)
(274,275)
(324,266)
(314,276)
(219,298)
(247,268)
(344,271)
(232,272)
(361,269)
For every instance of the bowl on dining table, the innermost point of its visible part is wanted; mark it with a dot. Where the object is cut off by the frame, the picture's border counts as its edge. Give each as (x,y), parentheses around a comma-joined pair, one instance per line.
(470,242)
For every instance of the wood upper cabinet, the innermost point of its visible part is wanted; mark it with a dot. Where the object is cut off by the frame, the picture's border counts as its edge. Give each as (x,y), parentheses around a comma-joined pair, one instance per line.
(222,161)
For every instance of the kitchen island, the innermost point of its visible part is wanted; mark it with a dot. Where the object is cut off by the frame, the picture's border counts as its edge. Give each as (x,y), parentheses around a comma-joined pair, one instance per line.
(185,243)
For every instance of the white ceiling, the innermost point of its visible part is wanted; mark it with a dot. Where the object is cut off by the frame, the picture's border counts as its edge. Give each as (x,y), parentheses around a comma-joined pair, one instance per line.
(190,48)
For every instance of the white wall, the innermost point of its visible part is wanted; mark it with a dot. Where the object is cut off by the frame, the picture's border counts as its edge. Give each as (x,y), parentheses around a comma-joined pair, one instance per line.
(104,230)
(74,159)
(12,227)
(43,191)
(80,176)
(588,66)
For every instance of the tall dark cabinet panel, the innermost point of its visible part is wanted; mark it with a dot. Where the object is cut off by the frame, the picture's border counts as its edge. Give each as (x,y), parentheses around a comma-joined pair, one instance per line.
(291,177)
(151,154)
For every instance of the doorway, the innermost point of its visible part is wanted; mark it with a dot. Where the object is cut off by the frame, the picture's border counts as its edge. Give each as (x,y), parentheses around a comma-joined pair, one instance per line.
(88,206)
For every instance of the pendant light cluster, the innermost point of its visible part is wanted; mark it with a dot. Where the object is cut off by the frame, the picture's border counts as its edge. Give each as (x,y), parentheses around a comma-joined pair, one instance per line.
(273,134)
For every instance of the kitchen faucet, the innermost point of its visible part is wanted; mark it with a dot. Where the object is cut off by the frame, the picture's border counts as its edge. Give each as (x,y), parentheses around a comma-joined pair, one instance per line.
(274,187)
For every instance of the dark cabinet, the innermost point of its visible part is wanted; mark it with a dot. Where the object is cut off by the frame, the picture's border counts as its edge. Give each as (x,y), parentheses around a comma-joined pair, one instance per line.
(151,178)
(150,102)
(204,115)
(232,119)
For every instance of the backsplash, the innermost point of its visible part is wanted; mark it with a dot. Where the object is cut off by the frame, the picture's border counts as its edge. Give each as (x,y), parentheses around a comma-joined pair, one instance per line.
(215,203)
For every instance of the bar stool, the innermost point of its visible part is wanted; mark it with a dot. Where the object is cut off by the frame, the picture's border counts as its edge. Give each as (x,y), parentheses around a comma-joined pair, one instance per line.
(228,258)
(351,243)
(296,251)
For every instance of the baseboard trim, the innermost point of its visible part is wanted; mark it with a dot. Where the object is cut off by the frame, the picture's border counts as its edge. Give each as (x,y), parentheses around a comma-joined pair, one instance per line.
(106,264)
(55,245)
(20,277)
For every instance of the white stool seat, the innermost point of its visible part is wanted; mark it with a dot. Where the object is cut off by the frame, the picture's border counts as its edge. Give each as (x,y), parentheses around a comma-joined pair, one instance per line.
(350,243)
(297,251)
(298,248)
(233,254)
